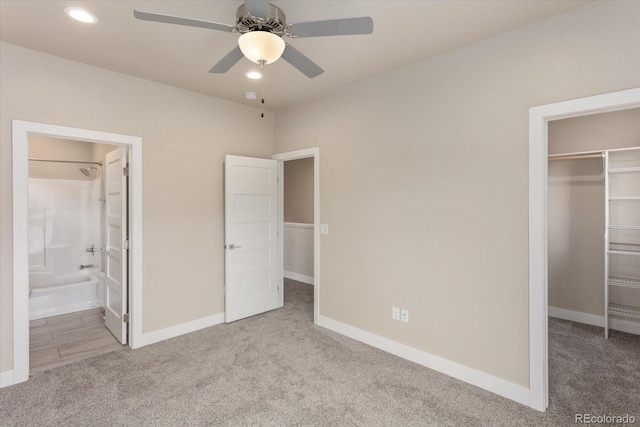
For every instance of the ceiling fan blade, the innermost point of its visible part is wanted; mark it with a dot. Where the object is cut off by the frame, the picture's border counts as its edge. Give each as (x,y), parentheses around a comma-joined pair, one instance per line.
(228,61)
(301,62)
(168,19)
(333,27)
(257,8)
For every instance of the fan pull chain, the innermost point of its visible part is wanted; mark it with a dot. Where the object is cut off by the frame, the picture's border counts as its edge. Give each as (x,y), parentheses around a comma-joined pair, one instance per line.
(262,91)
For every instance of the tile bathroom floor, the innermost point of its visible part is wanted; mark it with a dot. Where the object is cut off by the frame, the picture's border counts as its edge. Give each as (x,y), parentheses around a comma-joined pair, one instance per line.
(59,340)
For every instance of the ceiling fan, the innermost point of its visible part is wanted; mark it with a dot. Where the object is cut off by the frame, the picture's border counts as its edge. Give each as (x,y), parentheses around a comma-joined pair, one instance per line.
(262,26)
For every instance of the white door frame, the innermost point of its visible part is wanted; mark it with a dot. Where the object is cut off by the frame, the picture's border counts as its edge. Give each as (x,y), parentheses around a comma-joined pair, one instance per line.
(21,130)
(539,117)
(295,155)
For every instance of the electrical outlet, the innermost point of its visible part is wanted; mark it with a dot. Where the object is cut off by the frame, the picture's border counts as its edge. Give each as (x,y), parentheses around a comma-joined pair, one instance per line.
(404,316)
(395,313)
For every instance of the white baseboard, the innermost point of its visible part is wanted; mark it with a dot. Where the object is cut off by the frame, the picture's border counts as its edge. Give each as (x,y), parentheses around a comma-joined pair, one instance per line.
(477,378)
(6,378)
(595,320)
(576,316)
(299,277)
(181,329)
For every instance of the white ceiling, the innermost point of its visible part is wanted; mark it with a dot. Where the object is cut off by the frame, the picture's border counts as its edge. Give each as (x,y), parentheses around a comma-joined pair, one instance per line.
(405,32)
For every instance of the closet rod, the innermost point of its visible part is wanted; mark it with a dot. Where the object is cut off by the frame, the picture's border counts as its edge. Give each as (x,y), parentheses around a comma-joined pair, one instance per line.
(65,161)
(576,156)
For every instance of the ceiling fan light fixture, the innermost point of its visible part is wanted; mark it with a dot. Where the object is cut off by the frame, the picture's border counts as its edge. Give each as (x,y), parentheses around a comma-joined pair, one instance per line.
(80,15)
(259,46)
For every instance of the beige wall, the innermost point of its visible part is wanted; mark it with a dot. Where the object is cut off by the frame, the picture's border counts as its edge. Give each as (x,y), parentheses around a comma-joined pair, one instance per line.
(576,233)
(619,129)
(576,207)
(424,183)
(298,252)
(185,137)
(98,153)
(298,208)
(298,191)
(41,147)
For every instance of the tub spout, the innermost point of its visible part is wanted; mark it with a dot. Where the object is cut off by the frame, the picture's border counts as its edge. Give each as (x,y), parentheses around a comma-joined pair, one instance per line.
(83,266)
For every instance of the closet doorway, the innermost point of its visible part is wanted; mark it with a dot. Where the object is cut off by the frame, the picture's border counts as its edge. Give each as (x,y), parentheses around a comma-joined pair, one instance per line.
(594,220)
(300,220)
(298,231)
(594,260)
(539,119)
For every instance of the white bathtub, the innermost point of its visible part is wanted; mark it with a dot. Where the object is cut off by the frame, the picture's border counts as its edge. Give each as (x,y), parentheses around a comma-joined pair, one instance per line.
(65,298)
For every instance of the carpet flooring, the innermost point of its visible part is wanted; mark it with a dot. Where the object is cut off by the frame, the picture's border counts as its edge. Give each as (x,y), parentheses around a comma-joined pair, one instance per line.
(278,368)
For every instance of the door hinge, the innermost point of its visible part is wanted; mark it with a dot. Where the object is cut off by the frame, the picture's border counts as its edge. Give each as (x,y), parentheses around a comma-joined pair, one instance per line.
(125,318)
(125,244)
(125,171)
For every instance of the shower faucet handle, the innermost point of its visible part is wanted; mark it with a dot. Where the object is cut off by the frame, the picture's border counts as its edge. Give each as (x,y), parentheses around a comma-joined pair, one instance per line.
(93,249)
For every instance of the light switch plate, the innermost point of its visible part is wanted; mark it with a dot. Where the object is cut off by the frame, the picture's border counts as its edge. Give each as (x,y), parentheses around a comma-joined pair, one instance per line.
(324,228)
(395,313)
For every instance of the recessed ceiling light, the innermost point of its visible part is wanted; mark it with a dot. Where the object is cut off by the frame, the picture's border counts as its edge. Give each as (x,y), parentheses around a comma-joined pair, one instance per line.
(254,75)
(81,15)
(251,96)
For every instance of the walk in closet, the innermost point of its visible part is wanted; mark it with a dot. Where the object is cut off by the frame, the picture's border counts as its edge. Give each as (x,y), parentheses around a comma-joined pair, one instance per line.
(594,221)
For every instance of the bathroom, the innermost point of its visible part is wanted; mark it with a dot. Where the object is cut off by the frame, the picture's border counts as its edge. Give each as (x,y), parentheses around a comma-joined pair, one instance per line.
(66,240)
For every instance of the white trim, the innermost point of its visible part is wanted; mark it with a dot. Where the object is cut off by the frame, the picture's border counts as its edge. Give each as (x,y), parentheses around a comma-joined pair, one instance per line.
(297,225)
(20,162)
(135,244)
(299,277)
(281,234)
(538,270)
(295,155)
(472,376)
(595,320)
(20,154)
(6,378)
(182,329)
(576,316)
(624,326)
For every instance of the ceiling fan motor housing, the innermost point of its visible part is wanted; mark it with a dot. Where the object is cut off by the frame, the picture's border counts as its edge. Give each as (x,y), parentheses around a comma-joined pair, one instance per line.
(275,23)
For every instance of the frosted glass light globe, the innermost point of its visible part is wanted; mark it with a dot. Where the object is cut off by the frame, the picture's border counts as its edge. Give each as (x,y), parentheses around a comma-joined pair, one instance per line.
(259,46)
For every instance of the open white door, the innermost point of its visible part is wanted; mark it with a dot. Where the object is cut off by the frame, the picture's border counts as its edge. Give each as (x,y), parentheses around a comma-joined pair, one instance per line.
(116,244)
(251,236)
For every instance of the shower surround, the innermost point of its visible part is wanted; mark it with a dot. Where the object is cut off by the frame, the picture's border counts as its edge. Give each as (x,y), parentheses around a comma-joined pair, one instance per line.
(65,218)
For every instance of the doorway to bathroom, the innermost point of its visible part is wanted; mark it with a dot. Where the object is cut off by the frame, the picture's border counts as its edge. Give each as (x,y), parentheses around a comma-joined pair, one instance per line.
(77,221)
(77,244)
